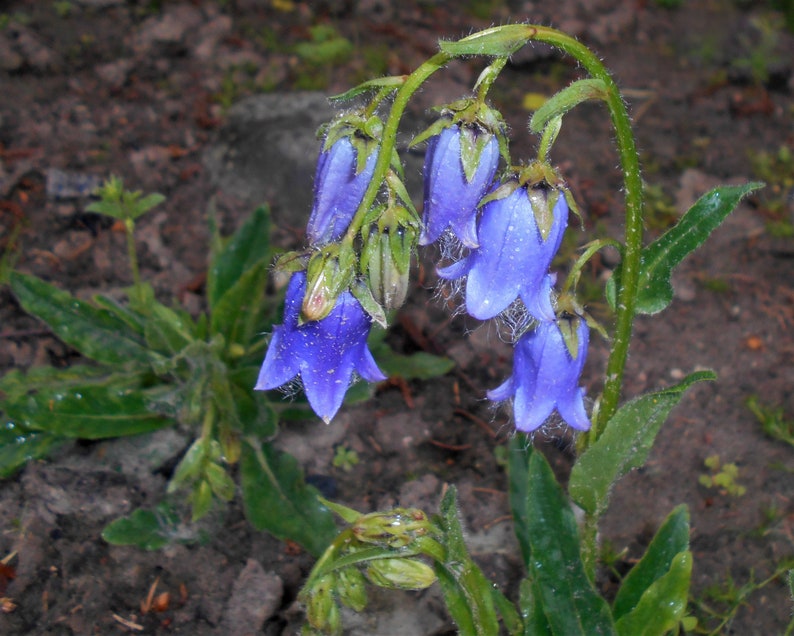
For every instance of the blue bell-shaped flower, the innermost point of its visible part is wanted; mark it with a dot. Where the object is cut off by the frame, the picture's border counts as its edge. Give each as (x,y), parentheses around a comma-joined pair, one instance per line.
(324,353)
(546,370)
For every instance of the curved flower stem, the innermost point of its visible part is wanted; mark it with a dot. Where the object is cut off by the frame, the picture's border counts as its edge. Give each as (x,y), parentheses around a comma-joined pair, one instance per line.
(389,138)
(632,182)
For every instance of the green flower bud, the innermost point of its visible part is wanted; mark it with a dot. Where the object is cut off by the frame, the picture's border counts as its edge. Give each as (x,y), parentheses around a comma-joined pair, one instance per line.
(401,574)
(395,529)
(352,588)
(386,256)
(322,611)
(329,273)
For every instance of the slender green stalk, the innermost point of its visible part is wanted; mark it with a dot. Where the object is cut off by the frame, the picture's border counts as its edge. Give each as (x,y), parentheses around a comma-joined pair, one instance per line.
(632,181)
(129,226)
(389,138)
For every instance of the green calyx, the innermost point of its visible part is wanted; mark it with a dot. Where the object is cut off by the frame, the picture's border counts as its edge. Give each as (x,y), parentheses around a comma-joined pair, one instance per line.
(329,273)
(363,129)
(478,123)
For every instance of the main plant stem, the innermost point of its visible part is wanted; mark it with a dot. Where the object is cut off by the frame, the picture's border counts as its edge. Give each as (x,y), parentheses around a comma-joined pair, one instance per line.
(630,267)
(632,183)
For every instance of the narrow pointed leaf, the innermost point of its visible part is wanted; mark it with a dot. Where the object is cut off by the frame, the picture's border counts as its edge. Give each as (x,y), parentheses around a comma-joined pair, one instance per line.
(249,245)
(279,501)
(167,331)
(105,407)
(660,257)
(563,101)
(239,312)
(550,533)
(670,540)
(20,444)
(663,604)
(467,593)
(392,81)
(97,333)
(624,444)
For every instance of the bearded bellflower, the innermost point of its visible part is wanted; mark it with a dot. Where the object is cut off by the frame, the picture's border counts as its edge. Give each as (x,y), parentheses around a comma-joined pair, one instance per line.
(452,193)
(513,257)
(324,353)
(546,375)
(341,179)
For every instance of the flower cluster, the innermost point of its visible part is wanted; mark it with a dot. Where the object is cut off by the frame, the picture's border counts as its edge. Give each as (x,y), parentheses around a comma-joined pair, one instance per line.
(509,228)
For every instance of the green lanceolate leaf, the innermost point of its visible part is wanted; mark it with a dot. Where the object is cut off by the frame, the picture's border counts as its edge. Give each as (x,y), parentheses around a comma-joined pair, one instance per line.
(663,605)
(167,331)
(111,406)
(560,103)
(238,313)
(279,501)
(20,444)
(624,444)
(548,533)
(467,593)
(97,333)
(518,464)
(416,366)
(391,82)
(671,539)
(658,259)
(249,245)
(502,40)
(535,623)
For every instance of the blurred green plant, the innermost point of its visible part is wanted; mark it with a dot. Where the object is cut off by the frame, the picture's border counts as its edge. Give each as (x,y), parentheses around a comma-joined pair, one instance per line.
(722,476)
(772,419)
(150,365)
(719,603)
(345,458)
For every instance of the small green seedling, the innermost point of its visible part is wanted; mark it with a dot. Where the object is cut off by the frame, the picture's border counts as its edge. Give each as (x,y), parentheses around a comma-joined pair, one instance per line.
(345,458)
(772,420)
(722,476)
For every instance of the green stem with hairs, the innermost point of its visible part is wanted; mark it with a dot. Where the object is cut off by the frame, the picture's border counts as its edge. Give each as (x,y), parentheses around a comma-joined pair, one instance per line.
(632,183)
(389,138)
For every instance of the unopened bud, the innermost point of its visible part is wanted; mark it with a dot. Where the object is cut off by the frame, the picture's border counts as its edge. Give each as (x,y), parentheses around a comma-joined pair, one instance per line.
(395,529)
(329,273)
(401,574)
(352,588)
(322,611)
(386,257)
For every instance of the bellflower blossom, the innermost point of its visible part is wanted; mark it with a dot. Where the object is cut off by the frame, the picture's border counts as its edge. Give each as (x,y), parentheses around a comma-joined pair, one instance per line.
(546,377)
(451,198)
(513,258)
(338,190)
(325,353)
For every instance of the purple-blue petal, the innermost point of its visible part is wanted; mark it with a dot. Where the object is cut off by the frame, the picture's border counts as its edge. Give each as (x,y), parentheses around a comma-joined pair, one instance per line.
(450,199)
(546,377)
(338,191)
(325,353)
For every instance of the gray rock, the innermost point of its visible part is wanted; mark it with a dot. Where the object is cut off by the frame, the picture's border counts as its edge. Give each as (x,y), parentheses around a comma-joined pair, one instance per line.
(256,596)
(266,152)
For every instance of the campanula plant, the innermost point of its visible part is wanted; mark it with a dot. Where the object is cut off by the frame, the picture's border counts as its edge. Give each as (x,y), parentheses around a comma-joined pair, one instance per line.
(504,226)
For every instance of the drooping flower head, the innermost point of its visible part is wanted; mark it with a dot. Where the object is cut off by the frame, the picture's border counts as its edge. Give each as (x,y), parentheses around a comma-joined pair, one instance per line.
(344,170)
(546,370)
(520,231)
(324,353)
(460,165)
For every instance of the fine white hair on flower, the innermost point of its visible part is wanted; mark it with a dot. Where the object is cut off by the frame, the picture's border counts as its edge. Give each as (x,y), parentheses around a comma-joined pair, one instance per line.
(292,388)
(450,292)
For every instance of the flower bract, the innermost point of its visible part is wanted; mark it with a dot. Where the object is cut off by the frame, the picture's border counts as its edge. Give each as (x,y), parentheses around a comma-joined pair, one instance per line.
(451,197)
(512,259)
(546,377)
(324,353)
(339,186)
